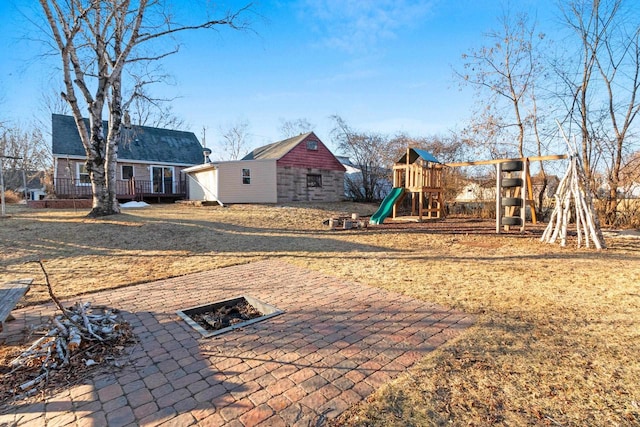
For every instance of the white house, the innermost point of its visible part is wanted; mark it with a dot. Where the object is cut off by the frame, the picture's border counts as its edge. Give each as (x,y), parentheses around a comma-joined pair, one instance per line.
(474,192)
(353,187)
(236,181)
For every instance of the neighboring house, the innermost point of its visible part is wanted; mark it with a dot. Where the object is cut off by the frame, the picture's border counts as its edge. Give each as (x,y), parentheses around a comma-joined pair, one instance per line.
(632,191)
(480,194)
(353,188)
(297,169)
(35,187)
(479,191)
(149,166)
(550,190)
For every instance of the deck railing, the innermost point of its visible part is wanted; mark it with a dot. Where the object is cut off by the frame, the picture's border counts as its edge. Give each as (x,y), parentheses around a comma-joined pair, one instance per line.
(132,189)
(416,176)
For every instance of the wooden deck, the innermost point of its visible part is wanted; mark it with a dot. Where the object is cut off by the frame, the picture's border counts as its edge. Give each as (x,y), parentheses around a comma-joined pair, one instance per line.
(126,190)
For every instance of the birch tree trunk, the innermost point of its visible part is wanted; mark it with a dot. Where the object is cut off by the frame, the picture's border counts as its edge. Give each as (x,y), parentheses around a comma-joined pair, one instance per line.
(96,40)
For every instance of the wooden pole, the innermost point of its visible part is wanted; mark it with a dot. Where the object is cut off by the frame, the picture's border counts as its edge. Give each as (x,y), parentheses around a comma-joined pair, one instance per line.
(498,197)
(532,202)
(523,195)
(498,161)
(406,182)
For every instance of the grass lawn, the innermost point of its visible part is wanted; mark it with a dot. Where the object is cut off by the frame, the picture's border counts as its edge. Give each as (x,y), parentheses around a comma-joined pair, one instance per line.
(557,340)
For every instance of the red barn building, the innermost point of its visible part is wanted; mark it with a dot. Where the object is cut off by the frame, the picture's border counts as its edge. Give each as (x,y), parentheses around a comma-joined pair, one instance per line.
(306,169)
(298,169)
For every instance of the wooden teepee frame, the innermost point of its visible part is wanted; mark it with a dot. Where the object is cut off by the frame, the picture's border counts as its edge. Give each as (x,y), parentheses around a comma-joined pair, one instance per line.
(574,191)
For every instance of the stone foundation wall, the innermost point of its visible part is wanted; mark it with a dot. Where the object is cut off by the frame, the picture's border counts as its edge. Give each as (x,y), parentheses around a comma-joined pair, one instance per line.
(60,204)
(292,185)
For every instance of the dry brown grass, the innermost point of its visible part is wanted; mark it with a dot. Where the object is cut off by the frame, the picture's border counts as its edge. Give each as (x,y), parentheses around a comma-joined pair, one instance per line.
(557,340)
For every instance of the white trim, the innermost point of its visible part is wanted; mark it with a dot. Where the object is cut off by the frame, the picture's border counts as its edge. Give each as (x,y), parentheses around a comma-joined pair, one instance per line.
(55,170)
(199,168)
(123,160)
(70,157)
(216,165)
(153,163)
(78,181)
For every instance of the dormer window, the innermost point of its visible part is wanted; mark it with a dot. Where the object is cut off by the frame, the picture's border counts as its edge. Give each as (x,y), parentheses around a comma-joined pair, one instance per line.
(312,145)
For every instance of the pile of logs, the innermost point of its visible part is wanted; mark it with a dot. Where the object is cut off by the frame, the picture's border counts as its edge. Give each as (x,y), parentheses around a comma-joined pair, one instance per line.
(73,339)
(77,338)
(574,192)
(346,223)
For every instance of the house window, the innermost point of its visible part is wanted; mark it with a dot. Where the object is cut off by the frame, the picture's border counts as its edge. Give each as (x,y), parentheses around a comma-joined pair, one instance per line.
(314,180)
(246,176)
(162,179)
(312,145)
(82,175)
(127,172)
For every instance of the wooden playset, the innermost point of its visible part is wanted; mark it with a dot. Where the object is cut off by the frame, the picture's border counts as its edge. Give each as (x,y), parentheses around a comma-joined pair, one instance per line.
(514,191)
(418,175)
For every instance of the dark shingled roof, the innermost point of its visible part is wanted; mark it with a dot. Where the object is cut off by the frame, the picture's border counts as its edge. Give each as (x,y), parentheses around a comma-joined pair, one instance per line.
(415,154)
(141,143)
(277,150)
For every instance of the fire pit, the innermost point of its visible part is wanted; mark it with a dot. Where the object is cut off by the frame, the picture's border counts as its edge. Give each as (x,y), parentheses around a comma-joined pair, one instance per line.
(224,316)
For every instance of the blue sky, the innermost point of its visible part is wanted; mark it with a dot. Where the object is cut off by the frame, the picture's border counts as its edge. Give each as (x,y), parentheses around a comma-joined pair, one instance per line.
(383,65)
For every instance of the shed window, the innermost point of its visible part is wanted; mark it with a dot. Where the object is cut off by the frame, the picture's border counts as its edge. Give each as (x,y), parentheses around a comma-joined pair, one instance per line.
(312,145)
(82,175)
(246,176)
(314,180)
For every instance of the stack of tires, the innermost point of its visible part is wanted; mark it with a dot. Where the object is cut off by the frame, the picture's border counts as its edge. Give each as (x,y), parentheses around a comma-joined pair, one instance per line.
(510,184)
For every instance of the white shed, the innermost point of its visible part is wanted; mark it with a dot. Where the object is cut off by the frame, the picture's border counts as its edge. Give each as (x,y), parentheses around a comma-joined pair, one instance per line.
(238,181)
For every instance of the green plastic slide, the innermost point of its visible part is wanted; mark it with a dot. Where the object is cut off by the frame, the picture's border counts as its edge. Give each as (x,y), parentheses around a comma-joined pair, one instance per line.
(386,207)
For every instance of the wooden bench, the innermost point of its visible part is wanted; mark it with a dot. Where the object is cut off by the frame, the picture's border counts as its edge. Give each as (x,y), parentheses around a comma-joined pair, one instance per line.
(10,294)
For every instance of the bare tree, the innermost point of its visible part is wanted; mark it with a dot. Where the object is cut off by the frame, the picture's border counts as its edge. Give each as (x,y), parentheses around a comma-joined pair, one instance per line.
(145,108)
(52,103)
(609,35)
(619,67)
(584,19)
(236,139)
(367,152)
(504,72)
(291,128)
(23,151)
(97,41)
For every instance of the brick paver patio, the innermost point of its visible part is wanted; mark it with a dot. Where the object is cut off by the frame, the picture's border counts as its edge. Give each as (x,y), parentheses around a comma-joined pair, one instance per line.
(335,344)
